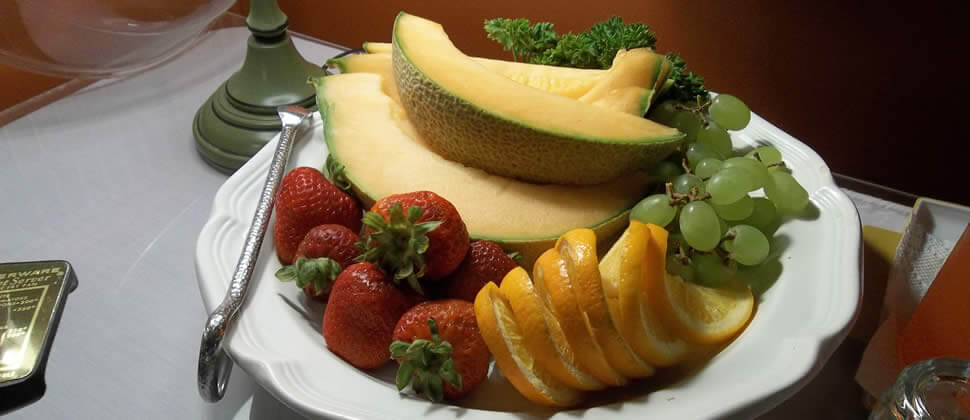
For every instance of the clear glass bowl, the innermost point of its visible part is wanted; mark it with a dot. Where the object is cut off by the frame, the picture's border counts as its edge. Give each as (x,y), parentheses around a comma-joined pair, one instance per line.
(100,38)
(937,389)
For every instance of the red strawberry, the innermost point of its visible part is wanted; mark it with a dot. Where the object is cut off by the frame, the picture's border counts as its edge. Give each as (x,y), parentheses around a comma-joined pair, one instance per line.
(430,368)
(415,235)
(363,309)
(486,262)
(306,199)
(321,255)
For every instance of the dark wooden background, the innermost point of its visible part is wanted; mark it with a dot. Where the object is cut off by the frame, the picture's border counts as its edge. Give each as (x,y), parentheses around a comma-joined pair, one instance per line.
(876,88)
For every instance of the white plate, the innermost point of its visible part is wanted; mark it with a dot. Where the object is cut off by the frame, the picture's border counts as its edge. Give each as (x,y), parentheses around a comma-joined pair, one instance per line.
(799,322)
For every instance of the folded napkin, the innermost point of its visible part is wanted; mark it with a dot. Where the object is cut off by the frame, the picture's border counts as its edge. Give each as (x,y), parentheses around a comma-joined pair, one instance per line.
(918,260)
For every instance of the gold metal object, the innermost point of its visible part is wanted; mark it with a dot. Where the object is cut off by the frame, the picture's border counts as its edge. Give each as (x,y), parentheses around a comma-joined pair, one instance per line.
(32,296)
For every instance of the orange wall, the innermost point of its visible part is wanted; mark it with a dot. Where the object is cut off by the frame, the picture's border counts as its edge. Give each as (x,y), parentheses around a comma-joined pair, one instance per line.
(870,87)
(876,90)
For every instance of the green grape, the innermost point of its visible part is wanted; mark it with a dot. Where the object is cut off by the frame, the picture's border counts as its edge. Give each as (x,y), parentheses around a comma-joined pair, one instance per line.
(768,155)
(689,123)
(716,137)
(664,112)
(785,192)
(707,167)
(735,211)
(683,183)
(697,152)
(729,112)
(711,271)
(729,185)
(749,246)
(700,226)
(666,171)
(763,216)
(757,172)
(654,209)
(723,224)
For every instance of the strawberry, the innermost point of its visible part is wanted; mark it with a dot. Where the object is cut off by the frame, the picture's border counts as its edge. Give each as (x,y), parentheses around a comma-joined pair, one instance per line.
(359,321)
(486,262)
(417,235)
(321,255)
(306,199)
(440,349)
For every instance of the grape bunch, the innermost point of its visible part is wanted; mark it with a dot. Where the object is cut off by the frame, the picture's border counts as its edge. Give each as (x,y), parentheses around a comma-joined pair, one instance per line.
(711,203)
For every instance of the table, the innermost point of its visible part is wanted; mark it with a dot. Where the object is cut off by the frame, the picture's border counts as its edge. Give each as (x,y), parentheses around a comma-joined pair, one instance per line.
(109,179)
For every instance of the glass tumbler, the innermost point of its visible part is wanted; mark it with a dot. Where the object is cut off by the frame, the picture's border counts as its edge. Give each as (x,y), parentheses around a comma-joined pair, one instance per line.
(935,389)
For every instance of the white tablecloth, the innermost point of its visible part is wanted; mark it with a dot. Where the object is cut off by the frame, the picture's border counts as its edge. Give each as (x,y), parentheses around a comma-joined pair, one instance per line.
(109,180)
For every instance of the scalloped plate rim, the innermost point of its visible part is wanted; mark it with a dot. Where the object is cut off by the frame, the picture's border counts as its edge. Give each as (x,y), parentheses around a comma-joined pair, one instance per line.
(781,386)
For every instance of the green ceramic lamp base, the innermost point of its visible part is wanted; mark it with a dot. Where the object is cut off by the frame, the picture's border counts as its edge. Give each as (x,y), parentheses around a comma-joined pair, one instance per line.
(240,116)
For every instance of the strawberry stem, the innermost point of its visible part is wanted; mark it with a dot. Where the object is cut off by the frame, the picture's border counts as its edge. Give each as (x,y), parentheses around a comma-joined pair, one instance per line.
(397,245)
(426,365)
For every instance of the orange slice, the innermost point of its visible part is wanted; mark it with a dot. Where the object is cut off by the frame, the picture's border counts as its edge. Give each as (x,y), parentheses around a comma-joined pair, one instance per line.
(577,248)
(631,271)
(551,280)
(542,334)
(701,314)
(504,339)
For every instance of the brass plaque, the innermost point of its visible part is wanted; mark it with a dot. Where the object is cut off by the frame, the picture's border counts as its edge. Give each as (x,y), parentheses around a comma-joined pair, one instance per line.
(31,297)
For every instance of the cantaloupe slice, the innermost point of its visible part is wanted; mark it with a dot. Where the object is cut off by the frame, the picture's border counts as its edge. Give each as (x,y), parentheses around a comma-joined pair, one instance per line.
(474,116)
(563,81)
(383,154)
(629,86)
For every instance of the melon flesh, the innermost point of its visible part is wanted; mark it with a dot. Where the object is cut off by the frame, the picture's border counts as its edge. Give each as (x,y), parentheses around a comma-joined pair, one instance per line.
(628,86)
(562,81)
(383,154)
(474,116)
(377,47)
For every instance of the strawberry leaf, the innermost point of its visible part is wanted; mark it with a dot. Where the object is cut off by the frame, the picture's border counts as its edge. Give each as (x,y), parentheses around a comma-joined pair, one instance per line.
(414,213)
(399,349)
(449,374)
(317,272)
(286,273)
(436,390)
(404,373)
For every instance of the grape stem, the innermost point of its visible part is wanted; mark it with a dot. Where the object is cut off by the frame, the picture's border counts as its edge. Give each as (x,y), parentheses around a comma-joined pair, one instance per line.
(678,199)
(697,110)
(779,163)
(682,254)
(683,163)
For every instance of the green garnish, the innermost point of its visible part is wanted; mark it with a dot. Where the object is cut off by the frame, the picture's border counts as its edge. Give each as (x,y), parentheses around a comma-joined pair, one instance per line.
(526,41)
(687,86)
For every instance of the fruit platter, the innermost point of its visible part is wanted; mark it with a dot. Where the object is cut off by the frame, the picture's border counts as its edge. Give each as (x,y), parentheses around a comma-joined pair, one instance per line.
(557,235)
